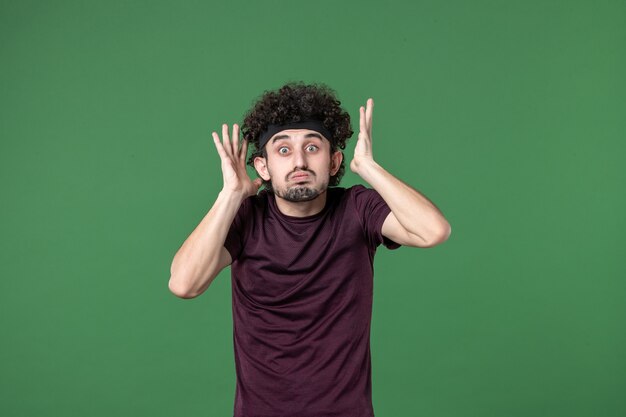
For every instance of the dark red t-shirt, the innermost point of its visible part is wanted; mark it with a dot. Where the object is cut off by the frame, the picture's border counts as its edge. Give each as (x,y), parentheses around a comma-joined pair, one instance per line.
(302,292)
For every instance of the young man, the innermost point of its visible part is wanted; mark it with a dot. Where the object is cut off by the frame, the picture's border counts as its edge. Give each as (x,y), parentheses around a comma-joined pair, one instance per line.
(302,253)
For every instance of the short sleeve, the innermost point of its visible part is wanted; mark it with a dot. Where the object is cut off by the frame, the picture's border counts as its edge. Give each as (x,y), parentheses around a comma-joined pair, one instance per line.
(235,237)
(372,211)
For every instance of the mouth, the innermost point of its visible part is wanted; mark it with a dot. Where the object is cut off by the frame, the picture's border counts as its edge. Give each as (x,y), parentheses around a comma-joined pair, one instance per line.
(300,177)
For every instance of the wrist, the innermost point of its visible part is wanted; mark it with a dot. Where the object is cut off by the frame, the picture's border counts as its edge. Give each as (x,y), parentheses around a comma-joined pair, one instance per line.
(231,196)
(363,166)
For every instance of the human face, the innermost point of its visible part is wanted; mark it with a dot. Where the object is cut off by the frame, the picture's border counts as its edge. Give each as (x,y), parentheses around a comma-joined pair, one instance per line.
(298,164)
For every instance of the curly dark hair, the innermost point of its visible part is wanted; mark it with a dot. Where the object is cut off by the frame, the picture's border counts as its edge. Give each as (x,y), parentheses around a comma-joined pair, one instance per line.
(294,102)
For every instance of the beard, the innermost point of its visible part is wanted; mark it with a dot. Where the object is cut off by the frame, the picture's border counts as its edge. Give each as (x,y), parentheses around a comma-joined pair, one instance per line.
(298,193)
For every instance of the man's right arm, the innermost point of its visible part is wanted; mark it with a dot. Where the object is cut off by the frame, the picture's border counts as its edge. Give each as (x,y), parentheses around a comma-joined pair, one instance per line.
(203,254)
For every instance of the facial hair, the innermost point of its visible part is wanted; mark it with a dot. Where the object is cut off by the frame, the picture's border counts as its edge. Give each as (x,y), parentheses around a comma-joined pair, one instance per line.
(300,192)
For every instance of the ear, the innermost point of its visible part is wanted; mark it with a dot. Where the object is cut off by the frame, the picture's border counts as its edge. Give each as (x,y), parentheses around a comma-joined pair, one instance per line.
(335,162)
(260,164)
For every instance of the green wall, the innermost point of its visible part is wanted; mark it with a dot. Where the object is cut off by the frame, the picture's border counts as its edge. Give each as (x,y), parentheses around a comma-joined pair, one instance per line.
(510,116)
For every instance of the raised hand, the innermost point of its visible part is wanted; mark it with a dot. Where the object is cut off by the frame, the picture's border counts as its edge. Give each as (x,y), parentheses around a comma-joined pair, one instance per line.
(236,178)
(363,149)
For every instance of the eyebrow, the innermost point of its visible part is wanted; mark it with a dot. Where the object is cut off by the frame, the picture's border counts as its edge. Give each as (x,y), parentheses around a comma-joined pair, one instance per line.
(307,136)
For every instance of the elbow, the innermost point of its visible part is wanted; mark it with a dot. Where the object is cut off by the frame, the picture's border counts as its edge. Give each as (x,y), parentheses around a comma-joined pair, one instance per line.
(179,290)
(447,231)
(445,234)
(442,236)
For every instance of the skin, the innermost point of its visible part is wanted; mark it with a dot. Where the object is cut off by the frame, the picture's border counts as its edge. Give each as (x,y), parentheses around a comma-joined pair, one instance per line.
(413,221)
(299,165)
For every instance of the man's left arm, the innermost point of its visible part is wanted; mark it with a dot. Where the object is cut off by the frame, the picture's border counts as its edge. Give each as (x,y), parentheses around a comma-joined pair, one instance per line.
(414,220)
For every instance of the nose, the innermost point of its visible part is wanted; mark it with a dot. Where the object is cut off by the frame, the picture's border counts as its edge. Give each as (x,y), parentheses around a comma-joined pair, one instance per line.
(299,159)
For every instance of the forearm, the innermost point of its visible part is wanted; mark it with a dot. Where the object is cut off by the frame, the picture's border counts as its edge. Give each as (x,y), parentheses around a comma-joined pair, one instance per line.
(197,261)
(416,213)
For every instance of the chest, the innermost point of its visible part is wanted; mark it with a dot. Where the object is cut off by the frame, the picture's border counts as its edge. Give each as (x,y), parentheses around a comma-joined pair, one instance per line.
(281,261)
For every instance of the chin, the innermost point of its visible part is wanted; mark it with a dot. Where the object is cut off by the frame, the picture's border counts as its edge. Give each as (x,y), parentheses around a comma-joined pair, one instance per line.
(300,193)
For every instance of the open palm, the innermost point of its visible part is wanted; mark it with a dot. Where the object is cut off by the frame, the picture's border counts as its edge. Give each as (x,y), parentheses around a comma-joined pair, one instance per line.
(363,149)
(236,178)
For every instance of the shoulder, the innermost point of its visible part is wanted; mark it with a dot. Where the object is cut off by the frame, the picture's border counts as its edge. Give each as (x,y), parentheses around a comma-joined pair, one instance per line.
(354,196)
(365,200)
(351,192)
(253,206)
(360,194)
(359,188)
(259,200)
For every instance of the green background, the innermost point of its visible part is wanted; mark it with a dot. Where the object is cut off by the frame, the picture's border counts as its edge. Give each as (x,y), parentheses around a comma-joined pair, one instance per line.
(510,116)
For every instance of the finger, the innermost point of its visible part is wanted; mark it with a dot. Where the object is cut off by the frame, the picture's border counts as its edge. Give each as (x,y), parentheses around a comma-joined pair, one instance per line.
(362,125)
(218,145)
(236,140)
(244,151)
(225,138)
(368,114)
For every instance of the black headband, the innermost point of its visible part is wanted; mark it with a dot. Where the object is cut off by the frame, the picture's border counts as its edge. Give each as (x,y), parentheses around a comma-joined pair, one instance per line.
(310,124)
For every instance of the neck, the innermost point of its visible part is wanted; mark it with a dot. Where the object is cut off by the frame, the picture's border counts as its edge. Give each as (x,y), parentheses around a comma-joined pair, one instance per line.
(301,208)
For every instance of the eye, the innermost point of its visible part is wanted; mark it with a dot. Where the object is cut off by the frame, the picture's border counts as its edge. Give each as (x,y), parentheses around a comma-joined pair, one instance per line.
(280,150)
(312,146)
